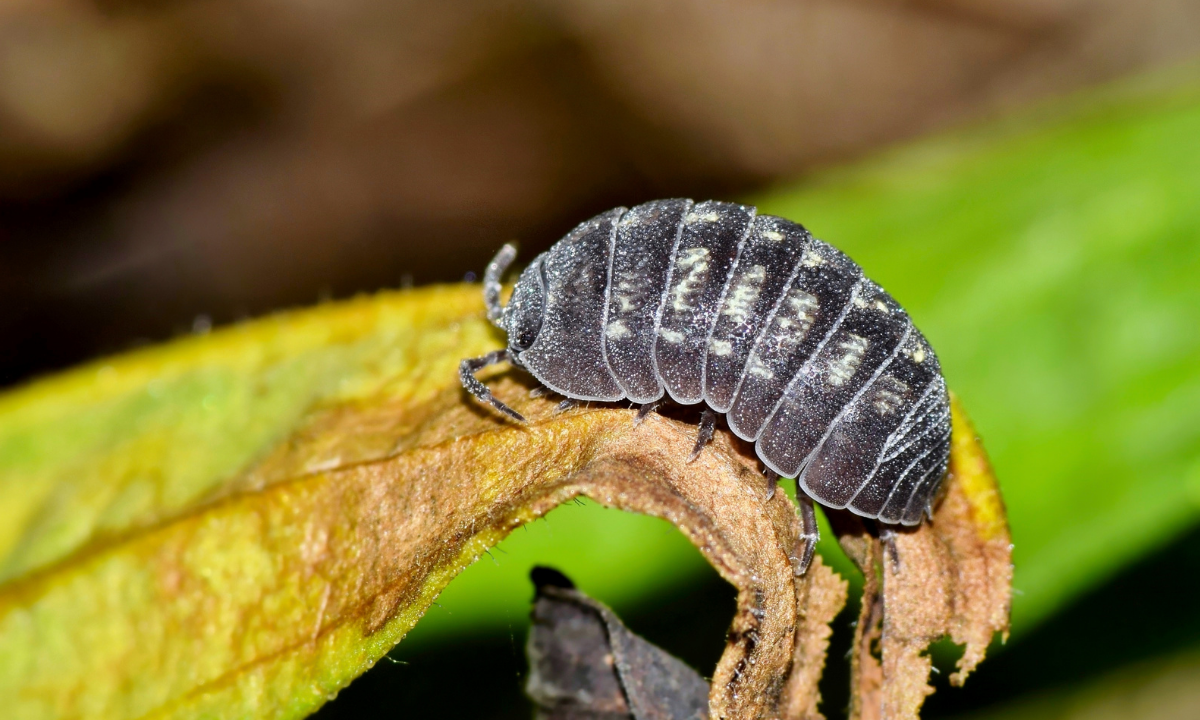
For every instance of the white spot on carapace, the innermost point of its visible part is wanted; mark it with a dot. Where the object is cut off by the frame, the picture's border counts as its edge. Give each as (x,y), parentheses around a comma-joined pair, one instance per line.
(842,368)
(890,395)
(918,355)
(882,306)
(773,235)
(630,292)
(616,330)
(633,217)
(671,336)
(720,348)
(694,217)
(758,368)
(692,267)
(802,306)
(811,258)
(792,322)
(744,294)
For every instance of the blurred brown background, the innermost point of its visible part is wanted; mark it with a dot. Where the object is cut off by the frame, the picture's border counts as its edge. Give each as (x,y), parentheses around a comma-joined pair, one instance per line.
(170,163)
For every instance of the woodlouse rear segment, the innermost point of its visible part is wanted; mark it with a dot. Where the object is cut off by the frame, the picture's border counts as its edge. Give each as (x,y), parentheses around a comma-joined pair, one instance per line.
(749,314)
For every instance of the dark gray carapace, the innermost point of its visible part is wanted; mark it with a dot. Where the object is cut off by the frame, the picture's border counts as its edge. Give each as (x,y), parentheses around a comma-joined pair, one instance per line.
(752,316)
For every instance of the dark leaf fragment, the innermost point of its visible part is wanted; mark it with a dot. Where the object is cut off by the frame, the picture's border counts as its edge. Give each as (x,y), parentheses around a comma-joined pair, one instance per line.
(584,664)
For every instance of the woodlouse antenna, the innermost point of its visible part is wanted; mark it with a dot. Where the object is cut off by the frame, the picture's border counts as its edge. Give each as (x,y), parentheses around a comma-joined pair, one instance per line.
(491,283)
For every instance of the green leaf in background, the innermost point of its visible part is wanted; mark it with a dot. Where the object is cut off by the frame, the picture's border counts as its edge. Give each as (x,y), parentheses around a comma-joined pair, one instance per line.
(1054,263)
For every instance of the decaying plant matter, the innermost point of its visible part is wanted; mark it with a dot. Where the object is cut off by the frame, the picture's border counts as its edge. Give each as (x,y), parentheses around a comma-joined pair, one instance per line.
(584,664)
(267,589)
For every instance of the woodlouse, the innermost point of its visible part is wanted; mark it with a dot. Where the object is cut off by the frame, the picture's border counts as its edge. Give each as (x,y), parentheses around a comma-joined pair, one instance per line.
(755,318)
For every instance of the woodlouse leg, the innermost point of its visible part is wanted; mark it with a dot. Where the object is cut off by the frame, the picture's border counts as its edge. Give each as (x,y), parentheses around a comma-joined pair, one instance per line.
(888,537)
(466,373)
(708,424)
(538,391)
(772,482)
(809,532)
(567,404)
(491,283)
(645,410)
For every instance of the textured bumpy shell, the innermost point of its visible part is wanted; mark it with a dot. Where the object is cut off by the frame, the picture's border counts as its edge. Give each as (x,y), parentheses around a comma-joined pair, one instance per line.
(711,302)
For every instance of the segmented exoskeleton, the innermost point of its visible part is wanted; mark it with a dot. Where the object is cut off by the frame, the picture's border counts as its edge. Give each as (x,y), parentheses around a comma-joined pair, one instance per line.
(753,317)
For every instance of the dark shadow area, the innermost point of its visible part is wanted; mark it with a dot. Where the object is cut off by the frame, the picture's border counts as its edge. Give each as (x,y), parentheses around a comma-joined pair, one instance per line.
(478,678)
(835,681)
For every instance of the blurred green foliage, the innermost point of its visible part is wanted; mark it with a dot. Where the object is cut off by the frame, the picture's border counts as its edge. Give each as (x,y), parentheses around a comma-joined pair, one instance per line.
(1055,266)
(1053,260)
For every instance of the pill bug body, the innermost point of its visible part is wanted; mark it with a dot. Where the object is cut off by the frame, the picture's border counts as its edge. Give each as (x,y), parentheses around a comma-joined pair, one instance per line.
(752,316)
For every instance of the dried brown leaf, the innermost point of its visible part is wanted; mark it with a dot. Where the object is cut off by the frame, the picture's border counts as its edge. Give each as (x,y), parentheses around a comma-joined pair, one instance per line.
(820,596)
(461,480)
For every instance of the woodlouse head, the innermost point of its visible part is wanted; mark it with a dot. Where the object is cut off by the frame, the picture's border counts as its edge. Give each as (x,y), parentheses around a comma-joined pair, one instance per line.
(524,312)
